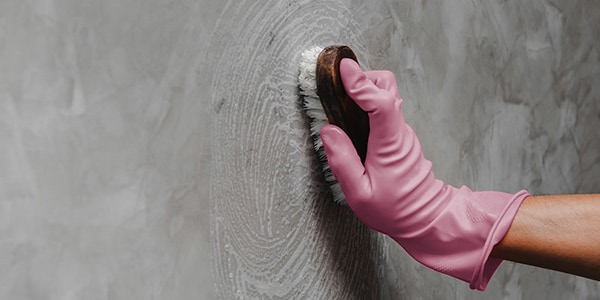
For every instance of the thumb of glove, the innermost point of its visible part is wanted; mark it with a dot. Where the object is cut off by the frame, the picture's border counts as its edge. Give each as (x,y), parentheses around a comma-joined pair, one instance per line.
(344,162)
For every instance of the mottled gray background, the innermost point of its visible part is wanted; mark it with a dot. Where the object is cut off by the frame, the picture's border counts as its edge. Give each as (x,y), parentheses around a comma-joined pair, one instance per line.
(156,149)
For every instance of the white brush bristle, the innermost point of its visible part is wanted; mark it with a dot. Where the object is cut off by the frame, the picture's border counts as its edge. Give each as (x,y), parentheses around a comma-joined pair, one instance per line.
(307,80)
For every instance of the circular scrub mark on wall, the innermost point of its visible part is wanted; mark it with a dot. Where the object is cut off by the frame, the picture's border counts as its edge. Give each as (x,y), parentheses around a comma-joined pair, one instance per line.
(272,230)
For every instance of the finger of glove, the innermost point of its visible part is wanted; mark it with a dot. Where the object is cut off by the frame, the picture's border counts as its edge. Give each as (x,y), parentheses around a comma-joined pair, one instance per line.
(384,108)
(344,162)
(385,80)
(362,90)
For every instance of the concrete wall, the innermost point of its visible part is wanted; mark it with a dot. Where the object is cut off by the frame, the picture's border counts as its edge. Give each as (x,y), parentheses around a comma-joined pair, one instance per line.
(157,150)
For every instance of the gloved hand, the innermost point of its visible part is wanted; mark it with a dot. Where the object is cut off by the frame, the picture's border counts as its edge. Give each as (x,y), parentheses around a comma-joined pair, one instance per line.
(451,230)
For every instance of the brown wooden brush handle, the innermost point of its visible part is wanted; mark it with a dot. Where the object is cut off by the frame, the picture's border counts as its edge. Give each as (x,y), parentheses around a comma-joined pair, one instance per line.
(340,109)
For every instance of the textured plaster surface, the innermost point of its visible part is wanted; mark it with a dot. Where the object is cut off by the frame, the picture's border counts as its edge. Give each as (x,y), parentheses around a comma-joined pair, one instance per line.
(157,150)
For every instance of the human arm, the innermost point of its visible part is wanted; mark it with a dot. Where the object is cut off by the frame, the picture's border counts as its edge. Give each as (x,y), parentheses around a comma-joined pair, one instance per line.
(557,232)
(451,230)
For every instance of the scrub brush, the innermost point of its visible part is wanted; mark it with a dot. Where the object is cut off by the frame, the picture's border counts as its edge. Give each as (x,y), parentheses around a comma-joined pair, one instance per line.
(325,101)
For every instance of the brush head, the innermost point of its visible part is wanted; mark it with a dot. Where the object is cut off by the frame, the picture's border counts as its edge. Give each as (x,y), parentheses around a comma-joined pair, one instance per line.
(325,101)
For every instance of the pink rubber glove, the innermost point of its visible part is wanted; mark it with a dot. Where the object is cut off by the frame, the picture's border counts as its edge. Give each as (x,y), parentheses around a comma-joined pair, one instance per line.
(451,230)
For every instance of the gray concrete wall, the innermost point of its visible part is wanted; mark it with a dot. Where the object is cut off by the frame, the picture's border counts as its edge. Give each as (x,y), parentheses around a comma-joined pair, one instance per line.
(156,149)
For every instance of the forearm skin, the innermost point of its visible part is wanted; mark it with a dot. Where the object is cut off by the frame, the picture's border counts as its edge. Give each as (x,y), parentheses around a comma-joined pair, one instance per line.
(557,232)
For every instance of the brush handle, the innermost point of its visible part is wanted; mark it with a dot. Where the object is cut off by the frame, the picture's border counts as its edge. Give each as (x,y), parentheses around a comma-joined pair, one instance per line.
(339,108)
